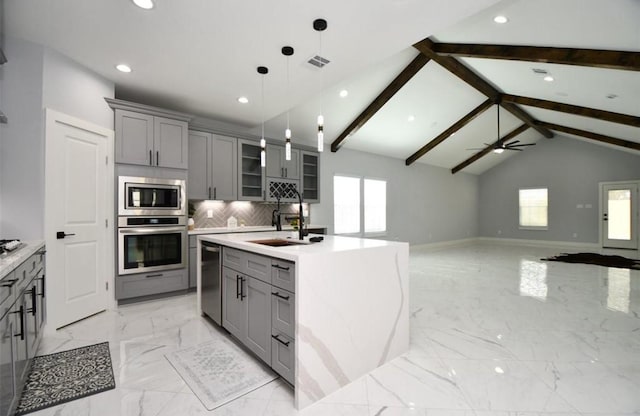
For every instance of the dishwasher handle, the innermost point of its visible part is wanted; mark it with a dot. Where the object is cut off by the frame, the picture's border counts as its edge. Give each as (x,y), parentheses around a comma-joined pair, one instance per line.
(211,249)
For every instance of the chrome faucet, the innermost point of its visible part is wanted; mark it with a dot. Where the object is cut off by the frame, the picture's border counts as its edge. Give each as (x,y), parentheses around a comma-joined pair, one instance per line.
(275,215)
(300,215)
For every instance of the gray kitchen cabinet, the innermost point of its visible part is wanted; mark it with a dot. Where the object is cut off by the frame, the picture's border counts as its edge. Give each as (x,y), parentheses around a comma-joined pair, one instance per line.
(232,307)
(213,172)
(144,284)
(283,274)
(150,136)
(283,356)
(7,370)
(251,264)
(258,317)
(277,164)
(250,172)
(283,311)
(193,261)
(310,176)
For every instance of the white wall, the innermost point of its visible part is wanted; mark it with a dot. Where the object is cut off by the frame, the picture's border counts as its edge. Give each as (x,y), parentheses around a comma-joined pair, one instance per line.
(572,170)
(425,204)
(35,78)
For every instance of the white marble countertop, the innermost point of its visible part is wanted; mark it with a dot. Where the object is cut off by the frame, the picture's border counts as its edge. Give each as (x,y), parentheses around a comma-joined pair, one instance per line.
(9,261)
(330,244)
(245,229)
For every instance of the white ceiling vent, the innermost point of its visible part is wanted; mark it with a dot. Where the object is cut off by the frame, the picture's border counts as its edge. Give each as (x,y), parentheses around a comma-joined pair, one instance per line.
(318,61)
(540,71)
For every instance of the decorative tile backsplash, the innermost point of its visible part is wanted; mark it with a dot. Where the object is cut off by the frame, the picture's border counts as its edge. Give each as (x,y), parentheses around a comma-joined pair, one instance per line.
(247,213)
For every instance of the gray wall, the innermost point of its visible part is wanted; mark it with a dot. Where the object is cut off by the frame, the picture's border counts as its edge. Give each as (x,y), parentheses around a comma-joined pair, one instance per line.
(571,169)
(35,78)
(425,204)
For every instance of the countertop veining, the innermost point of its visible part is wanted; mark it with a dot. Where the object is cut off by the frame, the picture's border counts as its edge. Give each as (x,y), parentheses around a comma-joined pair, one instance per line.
(9,261)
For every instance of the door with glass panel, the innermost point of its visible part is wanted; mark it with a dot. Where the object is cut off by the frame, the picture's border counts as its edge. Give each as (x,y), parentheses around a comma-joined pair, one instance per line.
(620,215)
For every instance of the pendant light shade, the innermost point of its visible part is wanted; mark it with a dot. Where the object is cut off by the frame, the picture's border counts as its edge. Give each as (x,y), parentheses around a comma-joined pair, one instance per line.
(263,70)
(319,25)
(287,51)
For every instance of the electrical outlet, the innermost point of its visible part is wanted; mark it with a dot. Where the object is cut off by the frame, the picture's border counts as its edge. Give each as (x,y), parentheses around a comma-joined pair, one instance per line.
(209,213)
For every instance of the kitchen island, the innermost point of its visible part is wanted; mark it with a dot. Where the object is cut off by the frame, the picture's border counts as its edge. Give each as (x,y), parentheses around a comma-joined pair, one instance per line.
(351,305)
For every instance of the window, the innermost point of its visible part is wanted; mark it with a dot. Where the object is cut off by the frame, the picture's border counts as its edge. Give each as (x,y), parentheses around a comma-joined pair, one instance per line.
(346,204)
(350,215)
(375,206)
(533,208)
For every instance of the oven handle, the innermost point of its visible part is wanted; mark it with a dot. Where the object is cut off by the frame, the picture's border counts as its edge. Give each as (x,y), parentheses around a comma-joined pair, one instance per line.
(150,230)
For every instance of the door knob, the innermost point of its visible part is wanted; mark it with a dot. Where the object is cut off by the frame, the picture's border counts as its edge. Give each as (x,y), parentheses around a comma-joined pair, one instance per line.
(61,234)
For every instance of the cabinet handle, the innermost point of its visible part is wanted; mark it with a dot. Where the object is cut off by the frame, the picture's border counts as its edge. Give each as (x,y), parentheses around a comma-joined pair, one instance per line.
(282,172)
(277,266)
(242,295)
(43,285)
(33,301)
(9,282)
(157,158)
(150,158)
(286,172)
(237,286)
(277,338)
(215,193)
(209,192)
(21,313)
(153,275)
(277,294)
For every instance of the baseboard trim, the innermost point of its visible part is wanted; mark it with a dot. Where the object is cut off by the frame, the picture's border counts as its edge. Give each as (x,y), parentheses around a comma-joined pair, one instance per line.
(539,243)
(444,244)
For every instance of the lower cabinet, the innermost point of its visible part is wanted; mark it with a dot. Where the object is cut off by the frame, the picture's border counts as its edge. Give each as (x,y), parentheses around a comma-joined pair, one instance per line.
(193,261)
(246,311)
(258,307)
(143,284)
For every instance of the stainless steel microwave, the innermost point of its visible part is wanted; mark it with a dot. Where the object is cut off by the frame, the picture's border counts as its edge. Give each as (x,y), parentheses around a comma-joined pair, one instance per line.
(151,196)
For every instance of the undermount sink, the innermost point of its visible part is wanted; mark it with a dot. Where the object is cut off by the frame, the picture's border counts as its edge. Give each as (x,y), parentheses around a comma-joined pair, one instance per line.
(278,242)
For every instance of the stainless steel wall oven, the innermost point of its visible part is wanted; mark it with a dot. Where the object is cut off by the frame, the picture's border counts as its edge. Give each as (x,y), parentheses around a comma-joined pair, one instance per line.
(149,244)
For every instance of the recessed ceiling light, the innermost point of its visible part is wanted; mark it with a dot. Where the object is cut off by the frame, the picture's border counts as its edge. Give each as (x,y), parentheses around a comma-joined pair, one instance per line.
(344,93)
(123,68)
(498,370)
(548,78)
(243,100)
(144,4)
(411,118)
(500,19)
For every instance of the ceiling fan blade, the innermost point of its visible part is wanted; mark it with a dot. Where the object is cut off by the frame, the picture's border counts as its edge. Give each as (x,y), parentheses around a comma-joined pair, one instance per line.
(521,145)
(513,148)
(512,143)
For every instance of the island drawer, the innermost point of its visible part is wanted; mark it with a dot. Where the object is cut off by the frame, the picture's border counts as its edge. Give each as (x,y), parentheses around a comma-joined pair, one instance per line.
(283,356)
(247,263)
(283,311)
(283,274)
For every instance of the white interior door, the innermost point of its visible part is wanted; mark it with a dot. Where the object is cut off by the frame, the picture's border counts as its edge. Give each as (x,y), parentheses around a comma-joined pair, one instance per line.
(77,206)
(620,215)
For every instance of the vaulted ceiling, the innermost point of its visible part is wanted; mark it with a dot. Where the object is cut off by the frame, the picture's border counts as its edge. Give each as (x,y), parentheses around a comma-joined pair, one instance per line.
(199,56)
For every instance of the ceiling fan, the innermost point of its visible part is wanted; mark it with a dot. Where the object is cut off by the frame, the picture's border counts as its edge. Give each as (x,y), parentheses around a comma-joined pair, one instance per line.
(500,146)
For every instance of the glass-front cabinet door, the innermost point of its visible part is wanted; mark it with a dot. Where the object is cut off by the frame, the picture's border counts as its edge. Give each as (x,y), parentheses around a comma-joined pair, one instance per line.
(310,171)
(251,183)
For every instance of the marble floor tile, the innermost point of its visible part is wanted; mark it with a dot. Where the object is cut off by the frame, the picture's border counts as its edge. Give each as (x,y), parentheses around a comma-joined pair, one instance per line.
(495,331)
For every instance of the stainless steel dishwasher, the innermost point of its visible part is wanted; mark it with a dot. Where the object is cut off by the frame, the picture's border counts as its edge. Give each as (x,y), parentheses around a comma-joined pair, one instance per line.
(211,282)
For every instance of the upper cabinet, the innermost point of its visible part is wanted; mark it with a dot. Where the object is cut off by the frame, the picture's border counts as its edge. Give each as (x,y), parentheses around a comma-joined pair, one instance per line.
(150,136)
(213,172)
(278,166)
(251,174)
(310,168)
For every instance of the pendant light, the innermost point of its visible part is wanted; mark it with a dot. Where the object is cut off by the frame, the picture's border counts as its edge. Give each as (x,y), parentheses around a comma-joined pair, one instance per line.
(499,145)
(319,25)
(263,70)
(287,51)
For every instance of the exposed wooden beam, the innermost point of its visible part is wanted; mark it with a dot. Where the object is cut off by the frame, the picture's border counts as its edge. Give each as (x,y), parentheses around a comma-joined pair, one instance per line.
(567,56)
(426,47)
(489,148)
(413,68)
(593,136)
(574,109)
(448,132)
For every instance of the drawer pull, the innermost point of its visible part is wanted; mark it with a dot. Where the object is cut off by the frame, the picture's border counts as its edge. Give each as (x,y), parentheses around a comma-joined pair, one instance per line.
(277,294)
(237,286)
(153,275)
(242,295)
(277,338)
(277,266)
(9,282)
